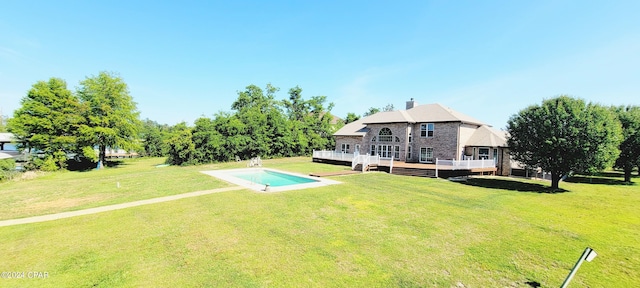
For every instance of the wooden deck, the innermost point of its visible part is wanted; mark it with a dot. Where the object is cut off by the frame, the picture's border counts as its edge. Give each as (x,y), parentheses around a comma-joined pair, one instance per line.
(418,169)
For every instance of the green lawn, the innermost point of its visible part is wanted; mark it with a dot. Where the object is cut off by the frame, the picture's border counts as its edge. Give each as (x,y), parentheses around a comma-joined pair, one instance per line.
(374,230)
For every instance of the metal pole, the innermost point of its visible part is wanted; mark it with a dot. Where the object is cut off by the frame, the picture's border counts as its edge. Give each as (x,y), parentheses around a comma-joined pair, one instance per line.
(575,267)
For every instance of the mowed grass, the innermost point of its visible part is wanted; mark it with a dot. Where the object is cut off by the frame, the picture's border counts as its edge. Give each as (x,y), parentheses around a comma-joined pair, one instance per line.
(131,180)
(373,230)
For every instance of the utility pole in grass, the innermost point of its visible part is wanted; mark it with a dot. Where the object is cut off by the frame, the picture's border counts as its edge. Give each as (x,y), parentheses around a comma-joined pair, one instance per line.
(588,255)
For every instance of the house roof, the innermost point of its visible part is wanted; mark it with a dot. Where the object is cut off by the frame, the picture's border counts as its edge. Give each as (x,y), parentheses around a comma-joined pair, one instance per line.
(489,137)
(439,113)
(398,116)
(420,114)
(355,128)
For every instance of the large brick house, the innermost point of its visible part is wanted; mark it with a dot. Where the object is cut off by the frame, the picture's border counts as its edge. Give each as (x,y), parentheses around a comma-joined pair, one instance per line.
(424,133)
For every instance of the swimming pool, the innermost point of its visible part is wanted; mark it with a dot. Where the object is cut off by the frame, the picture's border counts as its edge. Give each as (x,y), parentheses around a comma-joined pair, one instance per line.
(273,178)
(269,180)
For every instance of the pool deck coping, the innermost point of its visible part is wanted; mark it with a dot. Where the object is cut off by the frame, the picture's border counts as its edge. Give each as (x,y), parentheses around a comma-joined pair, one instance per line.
(226,176)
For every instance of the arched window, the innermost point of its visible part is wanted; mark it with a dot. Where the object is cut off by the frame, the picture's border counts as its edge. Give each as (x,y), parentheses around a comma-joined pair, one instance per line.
(397,139)
(385,135)
(373,139)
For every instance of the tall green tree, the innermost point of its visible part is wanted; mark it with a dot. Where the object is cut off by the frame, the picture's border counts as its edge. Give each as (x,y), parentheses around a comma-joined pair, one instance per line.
(48,120)
(374,110)
(310,121)
(563,135)
(209,143)
(112,116)
(154,136)
(629,158)
(258,110)
(371,111)
(351,117)
(181,147)
(258,126)
(320,124)
(233,131)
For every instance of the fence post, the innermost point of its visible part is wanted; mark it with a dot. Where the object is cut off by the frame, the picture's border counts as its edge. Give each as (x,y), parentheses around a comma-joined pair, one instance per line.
(436,167)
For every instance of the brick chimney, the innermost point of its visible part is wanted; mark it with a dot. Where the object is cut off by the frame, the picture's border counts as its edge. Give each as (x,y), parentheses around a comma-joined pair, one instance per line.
(411,104)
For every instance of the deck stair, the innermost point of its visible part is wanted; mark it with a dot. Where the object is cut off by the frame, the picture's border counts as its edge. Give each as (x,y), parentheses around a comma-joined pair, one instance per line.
(370,167)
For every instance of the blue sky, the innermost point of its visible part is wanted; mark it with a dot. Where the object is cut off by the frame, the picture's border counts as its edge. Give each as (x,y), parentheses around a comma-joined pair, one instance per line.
(488,59)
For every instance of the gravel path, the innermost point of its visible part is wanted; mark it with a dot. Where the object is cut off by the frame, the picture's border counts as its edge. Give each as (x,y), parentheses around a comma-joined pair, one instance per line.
(63,215)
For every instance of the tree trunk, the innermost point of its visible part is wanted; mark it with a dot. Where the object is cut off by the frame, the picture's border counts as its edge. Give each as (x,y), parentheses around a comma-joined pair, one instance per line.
(102,155)
(627,173)
(555,180)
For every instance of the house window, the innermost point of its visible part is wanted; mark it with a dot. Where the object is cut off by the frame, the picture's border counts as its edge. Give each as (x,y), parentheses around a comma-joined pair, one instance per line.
(408,152)
(385,135)
(373,150)
(357,148)
(483,153)
(373,139)
(344,148)
(495,156)
(397,139)
(426,154)
(426,130)
(384,151)
(396,152)
(410,138)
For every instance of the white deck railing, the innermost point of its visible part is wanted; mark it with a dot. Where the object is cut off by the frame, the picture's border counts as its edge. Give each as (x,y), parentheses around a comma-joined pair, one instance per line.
(334,155)
(355,158)
(464,164)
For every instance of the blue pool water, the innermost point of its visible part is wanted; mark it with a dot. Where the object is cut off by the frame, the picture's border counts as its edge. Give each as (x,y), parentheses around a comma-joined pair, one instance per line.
(274,179)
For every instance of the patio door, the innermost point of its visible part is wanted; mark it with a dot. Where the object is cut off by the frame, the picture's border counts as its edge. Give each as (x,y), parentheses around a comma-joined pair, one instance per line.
(385,151)
(426,155)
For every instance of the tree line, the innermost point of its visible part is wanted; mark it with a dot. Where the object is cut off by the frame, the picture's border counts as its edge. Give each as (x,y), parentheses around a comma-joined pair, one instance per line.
(259,125)
(101,114)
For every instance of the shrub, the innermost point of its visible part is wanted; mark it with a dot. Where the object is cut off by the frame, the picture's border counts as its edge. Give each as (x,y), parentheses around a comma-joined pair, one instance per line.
(46,164)
(7,165)
(7,169)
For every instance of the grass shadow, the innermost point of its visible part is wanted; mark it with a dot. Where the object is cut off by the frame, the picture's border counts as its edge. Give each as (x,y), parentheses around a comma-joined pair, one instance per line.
(84,165)
(600,178)
(114,163)
(533,284)
(511,185)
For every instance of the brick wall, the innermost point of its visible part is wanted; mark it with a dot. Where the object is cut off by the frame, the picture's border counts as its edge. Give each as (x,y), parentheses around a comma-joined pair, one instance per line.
(444,141)
(352,141)
(398,130)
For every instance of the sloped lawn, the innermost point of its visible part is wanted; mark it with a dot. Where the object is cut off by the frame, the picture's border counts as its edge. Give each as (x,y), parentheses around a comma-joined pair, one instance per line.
(374,230)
